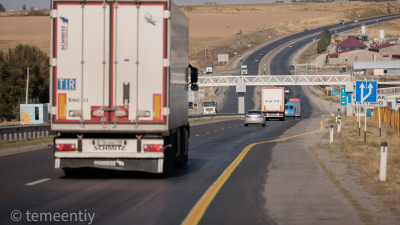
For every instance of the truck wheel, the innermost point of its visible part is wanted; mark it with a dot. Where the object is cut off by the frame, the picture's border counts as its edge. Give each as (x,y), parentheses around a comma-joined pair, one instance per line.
(283,118)
(246,125)
(69,172)
(184,146)
(266,119)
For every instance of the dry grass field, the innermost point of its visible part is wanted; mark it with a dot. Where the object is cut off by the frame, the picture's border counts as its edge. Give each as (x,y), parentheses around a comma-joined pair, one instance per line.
(32,30)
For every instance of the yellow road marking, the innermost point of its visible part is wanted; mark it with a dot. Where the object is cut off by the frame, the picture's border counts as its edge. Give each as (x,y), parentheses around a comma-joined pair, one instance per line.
(226,97)
(311,98)
(201,206)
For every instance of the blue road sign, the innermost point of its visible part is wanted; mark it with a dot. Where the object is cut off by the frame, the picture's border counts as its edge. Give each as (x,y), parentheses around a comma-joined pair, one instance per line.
(349,99)
(313,39)
(305,71)
(307,45)
(366,91)
(343,97)
(197,100)
(334,93)
(335,31)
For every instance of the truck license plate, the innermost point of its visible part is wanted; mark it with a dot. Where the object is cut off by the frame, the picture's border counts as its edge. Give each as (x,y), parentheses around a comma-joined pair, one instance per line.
(109,142)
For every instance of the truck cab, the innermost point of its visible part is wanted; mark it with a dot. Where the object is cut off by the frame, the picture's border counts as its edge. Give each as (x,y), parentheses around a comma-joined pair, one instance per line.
(244,69)
(290,109)
(210,107)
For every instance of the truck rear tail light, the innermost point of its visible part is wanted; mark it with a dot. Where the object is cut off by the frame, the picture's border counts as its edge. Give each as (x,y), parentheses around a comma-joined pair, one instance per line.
(281,114)
(65,147)
(153,148)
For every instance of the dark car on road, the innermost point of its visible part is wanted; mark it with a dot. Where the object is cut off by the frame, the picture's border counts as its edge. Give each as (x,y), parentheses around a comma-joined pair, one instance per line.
(291,67)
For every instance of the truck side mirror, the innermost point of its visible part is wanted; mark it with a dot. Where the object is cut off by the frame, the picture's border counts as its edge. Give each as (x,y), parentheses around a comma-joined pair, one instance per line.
(194,87)
(193,74)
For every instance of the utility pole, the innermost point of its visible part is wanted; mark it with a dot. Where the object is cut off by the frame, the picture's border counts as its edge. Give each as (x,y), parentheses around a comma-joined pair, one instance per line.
(27,87)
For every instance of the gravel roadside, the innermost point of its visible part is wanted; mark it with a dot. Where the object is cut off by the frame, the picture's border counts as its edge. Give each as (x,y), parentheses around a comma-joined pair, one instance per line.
(348,177)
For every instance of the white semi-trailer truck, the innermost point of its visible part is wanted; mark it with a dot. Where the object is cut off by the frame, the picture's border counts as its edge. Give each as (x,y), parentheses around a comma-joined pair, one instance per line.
(273,103)
(119,84)
(244,69)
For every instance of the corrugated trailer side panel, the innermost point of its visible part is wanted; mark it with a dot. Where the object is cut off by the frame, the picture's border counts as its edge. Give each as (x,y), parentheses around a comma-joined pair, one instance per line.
(179,55)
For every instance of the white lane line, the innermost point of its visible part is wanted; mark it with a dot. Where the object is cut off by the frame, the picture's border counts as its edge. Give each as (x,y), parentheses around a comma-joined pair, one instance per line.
(241,124)
(230,127)
(215,130)
(235,125)
(207,132)
(197,135)
(37,182)
(222,128)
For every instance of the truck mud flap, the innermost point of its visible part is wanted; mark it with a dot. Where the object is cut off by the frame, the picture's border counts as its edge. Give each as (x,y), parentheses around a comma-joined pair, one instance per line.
(145,165)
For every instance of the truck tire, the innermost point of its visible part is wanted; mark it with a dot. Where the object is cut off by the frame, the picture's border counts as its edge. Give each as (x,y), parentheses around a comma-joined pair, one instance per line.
(169,153)
(183,145)
(266,119)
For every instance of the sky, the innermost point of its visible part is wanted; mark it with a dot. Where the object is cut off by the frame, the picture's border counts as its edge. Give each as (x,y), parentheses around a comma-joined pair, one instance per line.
(45,4)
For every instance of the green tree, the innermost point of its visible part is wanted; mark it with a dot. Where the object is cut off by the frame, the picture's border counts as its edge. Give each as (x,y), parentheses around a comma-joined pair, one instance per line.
(24,7)
(2,9)
(13,74)
(32,8)
(325,40)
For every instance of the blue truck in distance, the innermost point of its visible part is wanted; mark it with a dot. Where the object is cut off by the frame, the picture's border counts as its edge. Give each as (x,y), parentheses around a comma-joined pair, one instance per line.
(293,107)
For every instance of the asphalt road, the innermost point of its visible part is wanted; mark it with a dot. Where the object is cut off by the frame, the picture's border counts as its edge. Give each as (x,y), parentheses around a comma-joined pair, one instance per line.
(118,197)
(280,62)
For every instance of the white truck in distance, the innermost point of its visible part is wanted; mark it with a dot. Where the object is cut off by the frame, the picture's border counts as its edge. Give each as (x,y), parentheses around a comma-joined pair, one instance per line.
(244,69)
(273,103)
(210,107)
(119,85)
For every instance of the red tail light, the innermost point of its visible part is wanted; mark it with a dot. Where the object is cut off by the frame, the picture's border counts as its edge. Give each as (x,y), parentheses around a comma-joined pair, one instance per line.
(65,147)
(152,148)
(260,117)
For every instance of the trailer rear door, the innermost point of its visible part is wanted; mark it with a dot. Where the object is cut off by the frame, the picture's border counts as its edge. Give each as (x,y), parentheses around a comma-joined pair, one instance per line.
(109,62)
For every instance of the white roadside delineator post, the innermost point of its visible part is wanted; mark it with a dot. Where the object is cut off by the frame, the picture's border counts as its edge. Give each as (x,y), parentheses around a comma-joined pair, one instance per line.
(331,134)
(336,119)
(338,128)
(383,164)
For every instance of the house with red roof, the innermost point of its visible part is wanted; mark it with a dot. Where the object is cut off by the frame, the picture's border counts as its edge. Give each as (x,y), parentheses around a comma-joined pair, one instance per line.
(391,51)
(351,55)
(350,43)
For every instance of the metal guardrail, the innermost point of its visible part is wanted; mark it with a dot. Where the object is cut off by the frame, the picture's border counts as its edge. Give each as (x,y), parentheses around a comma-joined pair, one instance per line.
(215,116)
(311,88)
(15,133)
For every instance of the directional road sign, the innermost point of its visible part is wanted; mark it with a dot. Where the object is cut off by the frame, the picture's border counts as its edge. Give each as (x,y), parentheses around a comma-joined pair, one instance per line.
(381,101)
(334,93)
(343,97)
(330,88)
(349,98)
(366,91)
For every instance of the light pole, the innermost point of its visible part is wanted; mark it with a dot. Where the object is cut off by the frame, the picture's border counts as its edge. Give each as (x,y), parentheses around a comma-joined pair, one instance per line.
(241,72)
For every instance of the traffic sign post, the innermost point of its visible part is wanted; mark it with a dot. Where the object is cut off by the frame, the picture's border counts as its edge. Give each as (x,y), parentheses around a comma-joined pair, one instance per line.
(343,97)
(366,91)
